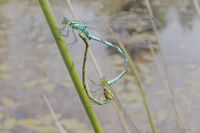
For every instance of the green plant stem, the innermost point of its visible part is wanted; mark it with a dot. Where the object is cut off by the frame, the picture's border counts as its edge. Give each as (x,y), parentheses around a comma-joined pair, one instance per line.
(69,64)
(139,83)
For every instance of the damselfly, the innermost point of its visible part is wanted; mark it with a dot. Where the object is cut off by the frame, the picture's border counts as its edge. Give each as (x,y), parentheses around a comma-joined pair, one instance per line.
(106,95)
(82,27)
(107,91)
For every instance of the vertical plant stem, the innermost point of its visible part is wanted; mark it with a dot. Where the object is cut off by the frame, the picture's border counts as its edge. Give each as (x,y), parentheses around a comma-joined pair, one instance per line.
(46,8)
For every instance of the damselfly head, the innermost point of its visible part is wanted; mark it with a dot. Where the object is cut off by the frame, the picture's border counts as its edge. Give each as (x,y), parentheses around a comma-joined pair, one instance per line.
(104,82)
(65,21)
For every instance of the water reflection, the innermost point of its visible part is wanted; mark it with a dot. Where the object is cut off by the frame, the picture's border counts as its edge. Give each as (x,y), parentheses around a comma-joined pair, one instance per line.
(178,37)
(180,43)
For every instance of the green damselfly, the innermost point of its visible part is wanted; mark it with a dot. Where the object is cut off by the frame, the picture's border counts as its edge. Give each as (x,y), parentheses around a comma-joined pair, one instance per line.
(107,95)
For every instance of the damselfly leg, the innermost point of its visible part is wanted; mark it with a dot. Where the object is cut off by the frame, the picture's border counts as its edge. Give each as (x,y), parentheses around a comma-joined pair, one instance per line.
(66,32)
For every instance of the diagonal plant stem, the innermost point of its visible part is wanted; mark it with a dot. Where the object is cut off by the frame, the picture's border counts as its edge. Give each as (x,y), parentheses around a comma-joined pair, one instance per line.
(46,8)
(57,123)
(196,4)
(139,82)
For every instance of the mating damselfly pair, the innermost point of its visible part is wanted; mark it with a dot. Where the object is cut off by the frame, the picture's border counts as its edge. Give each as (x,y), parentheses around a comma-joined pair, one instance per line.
(106,93)
(82,27)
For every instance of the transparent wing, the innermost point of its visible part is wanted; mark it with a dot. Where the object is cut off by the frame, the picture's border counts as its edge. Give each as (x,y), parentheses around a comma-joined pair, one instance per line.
(97,91)
(70,35)
(125,118)
(65,31)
